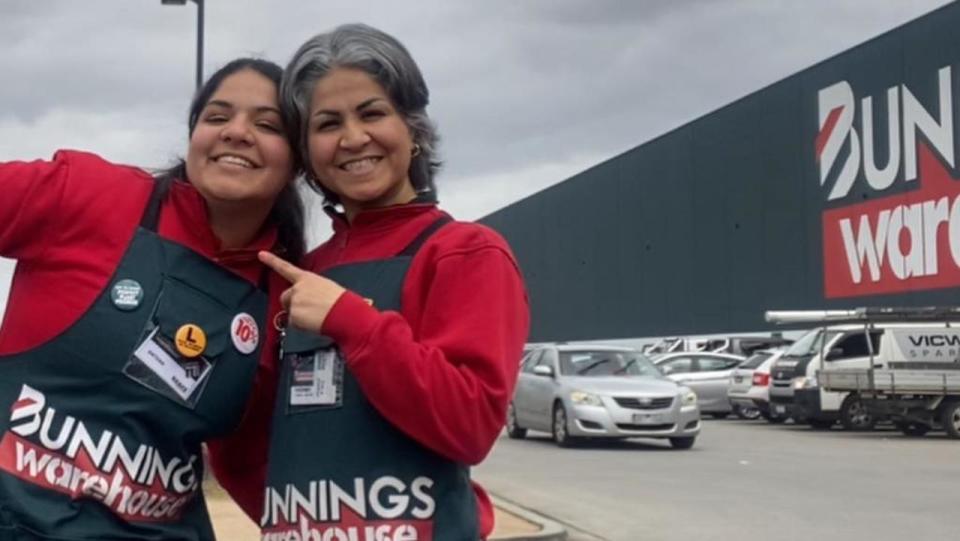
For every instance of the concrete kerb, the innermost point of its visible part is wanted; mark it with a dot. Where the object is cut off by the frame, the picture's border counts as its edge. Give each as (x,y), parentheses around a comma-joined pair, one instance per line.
(550,530)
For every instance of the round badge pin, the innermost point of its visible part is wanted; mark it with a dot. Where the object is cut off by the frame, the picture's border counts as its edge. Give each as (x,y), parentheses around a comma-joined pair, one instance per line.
(126,295)
(190,340)
(245,333)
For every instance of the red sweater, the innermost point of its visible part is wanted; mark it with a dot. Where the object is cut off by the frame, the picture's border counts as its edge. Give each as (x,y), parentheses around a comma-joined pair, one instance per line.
(69,221)
(443,369)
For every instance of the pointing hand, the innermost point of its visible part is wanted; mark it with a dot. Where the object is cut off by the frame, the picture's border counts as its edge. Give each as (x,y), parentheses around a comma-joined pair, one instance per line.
(310,296)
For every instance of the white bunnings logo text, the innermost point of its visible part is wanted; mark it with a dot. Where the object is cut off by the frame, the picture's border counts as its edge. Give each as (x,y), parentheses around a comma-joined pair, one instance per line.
(906,241)
(138,486)
(381,509)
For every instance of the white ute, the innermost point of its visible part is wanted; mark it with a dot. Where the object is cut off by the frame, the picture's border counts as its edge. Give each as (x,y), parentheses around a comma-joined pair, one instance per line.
(913,378)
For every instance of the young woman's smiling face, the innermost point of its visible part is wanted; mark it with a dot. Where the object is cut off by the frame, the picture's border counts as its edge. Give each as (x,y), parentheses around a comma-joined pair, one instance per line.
(238,151)
(360,147)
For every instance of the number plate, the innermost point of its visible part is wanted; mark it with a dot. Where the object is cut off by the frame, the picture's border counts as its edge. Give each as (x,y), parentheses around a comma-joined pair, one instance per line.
(737,379)
(780,409)
(647,419)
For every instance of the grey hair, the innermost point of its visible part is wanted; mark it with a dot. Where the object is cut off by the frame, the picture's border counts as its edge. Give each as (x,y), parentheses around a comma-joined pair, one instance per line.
(389,63)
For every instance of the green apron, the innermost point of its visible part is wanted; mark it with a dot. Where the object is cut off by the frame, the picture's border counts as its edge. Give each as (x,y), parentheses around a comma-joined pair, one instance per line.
(338,469)
(103,436)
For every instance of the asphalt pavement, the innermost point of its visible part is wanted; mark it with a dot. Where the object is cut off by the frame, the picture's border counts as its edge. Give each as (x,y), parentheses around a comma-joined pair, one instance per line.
(745,481)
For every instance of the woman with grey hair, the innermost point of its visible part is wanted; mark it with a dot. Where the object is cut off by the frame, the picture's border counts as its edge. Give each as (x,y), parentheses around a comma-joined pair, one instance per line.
(404,331)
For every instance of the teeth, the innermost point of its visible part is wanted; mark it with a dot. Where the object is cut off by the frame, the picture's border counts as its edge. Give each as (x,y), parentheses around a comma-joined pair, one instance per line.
(360,166)
(236,160)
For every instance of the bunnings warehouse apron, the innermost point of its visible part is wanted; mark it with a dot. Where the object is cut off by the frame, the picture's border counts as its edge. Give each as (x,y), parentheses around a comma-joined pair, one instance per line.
(100,428)
(338,469)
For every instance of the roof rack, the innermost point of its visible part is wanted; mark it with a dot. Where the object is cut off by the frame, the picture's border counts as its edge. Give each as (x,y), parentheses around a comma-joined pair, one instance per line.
(865,315)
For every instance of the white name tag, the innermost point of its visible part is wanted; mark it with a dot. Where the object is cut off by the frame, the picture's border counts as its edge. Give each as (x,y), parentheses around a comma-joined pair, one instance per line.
(314,381)
(183,378)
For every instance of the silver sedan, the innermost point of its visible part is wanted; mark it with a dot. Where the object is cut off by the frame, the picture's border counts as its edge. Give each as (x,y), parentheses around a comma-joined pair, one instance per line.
(587,391)
(708,374)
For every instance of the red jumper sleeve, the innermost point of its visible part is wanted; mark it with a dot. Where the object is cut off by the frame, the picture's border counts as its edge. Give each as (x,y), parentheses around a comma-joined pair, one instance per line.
(29,204)
(447,384)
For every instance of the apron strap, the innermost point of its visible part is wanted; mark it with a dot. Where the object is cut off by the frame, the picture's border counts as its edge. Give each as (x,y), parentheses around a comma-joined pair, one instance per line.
(151,214)
(416,243)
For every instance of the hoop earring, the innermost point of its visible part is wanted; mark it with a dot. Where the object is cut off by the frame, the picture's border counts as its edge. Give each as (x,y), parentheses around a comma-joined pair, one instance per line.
(415,151)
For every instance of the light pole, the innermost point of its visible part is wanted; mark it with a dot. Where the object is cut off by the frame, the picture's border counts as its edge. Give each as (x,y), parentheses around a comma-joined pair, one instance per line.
(199,4)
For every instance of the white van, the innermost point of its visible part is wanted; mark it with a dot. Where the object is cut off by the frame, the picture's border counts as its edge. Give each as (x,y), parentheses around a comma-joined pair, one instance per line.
(845,348)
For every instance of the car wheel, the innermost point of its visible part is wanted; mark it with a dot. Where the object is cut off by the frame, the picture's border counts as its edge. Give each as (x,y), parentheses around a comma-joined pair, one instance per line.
(561,428)
(514,431)
(746,412)
(950,418)
(682,443)
(914,430)
(820,424)
(854,414)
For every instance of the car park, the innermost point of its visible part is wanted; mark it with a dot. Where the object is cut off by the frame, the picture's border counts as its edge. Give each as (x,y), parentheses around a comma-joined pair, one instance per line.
(576,392)
(708,374)
(750,387)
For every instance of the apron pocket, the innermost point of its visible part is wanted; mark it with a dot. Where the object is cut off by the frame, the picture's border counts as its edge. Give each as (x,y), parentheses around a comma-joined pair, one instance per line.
(182,341)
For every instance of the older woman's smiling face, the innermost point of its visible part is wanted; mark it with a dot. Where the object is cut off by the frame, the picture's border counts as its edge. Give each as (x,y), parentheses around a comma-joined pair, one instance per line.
(360,147)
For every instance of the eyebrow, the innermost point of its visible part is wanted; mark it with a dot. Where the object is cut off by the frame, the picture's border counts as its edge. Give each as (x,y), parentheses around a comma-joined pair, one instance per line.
(362,106)
(228,105)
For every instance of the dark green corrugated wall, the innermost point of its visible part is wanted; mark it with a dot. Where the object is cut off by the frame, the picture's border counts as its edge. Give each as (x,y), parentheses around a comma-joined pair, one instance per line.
(707,226)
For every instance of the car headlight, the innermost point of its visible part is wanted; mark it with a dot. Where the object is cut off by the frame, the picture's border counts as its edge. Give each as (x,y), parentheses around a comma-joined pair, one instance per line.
(688,398)
(585,399)
(804,383)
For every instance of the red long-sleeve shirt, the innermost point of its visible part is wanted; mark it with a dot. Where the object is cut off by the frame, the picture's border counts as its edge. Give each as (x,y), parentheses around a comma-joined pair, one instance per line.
(69,221)
(442,369)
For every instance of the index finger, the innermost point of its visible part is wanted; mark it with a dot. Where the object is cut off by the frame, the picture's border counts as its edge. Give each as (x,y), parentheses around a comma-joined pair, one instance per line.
(289,271)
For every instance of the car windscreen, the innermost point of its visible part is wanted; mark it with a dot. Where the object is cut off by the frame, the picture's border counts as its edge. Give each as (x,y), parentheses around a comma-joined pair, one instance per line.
(606,363)
(755,360)
(810,343)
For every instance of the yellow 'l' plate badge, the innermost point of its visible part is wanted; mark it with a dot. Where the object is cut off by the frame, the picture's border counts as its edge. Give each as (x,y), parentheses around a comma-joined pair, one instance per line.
(190,340)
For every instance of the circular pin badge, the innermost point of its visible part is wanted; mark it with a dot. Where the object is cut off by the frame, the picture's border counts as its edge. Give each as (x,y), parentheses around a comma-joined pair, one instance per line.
(190,340)
(126,295)
(245,333)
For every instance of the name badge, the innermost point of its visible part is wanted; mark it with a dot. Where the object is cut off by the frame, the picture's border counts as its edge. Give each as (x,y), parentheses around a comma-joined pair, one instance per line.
(316,379)
(182,375)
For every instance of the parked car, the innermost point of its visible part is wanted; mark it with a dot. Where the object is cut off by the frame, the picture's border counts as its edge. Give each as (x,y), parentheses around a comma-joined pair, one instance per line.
(749,390)
(708,374)
(734,345)
(746,346)
(589,391)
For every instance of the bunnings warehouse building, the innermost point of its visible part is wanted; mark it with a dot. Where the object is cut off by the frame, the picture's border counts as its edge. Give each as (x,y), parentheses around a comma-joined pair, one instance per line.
(834,188)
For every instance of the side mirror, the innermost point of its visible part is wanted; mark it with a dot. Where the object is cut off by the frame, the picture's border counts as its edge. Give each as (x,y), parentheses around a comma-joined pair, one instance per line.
(834,353)
(543,370)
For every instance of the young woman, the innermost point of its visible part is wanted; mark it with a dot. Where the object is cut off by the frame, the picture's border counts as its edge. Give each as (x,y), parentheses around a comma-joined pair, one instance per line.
(136,318)
(407,327)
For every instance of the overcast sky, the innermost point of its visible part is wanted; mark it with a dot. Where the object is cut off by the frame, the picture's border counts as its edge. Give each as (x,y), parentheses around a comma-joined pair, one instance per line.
(525,93)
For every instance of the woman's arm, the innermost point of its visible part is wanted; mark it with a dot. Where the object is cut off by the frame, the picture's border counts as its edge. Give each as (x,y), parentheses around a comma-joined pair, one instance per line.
(446,379)
(29,206)
(444,371)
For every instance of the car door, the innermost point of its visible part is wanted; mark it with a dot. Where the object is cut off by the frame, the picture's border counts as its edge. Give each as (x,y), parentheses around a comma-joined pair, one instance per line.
(677,368)
(521,396)
(711,381)
(541,391)
(849,351)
